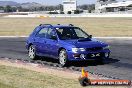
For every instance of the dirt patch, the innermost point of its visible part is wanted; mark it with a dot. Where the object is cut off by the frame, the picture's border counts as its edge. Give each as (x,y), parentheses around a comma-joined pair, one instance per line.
(37,68)
(26,75)
(45,69)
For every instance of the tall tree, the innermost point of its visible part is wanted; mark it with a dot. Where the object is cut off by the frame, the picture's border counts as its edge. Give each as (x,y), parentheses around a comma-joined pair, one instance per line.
(8,8)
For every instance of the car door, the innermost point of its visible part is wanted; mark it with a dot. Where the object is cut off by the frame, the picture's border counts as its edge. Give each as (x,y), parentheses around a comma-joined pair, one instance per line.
(52,43)
(40,42)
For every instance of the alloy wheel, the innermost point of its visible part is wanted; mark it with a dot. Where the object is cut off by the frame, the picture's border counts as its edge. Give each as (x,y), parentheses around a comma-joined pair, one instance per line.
(31,52)
(63,57)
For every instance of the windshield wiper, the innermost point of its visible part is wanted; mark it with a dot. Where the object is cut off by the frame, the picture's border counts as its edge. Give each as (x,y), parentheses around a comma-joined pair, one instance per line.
(84,39)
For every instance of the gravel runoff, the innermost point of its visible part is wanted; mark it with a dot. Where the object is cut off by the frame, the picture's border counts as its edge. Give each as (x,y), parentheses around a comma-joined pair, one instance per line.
(46,67)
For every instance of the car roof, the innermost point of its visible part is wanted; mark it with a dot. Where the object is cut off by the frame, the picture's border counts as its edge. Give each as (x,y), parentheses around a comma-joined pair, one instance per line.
(56,26)
(60,26)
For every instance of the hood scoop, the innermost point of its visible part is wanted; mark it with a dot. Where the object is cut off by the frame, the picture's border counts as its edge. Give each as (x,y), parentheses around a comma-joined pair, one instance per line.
(83,40)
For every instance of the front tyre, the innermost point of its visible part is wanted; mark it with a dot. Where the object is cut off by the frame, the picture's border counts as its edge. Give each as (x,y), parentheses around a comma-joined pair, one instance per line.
(105,59)
(63,57)
(31,53)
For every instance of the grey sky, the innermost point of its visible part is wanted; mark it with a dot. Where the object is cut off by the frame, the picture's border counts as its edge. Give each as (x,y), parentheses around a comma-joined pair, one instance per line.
(53,2)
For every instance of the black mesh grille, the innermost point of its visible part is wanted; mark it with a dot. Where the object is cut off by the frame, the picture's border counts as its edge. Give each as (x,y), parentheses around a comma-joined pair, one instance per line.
(91,55)
(94,49)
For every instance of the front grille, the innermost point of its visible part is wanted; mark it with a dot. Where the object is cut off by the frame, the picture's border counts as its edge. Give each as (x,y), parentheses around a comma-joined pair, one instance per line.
(94,49)
(96,55)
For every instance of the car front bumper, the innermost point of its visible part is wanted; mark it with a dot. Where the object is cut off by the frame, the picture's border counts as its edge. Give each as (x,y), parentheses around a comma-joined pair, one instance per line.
(83,56)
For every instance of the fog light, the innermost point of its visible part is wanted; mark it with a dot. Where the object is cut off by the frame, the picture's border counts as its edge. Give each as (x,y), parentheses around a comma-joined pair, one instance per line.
(82,56)
(106,55)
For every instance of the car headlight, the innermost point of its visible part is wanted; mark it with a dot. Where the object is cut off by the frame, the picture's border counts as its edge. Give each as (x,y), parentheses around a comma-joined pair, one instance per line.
(107,47)
(78,49)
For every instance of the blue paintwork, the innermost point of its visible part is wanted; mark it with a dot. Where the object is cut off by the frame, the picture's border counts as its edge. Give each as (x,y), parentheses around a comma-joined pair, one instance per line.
(50,48)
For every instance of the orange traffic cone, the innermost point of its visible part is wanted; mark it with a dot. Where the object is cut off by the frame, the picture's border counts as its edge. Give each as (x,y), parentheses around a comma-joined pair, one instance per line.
(84,73)
(84,80)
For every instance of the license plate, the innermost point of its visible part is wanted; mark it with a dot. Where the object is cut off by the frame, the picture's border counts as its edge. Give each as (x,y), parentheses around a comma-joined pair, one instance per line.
(95,55)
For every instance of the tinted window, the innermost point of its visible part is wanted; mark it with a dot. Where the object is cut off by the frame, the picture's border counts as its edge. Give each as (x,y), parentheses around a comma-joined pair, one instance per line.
(50,33)
(42,32)
(80,33)
(71,33)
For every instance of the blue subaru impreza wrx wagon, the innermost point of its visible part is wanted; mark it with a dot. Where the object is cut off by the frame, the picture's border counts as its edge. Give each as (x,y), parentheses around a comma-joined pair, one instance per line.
(65,43)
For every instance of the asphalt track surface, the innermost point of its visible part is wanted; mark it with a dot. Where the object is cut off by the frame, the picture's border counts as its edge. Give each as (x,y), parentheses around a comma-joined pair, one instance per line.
(118,66)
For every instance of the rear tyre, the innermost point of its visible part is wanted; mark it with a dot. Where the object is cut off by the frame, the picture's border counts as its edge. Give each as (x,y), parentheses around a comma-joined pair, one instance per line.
(63,58)
(31,53)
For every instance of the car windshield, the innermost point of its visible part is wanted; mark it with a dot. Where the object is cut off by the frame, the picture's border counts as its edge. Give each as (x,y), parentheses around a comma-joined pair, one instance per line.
(65,33)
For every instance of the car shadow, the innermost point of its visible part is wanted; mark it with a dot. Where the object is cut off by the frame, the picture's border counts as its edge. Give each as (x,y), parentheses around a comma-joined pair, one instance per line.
(93,63)
(84,63)
(80,63)
(49,59)
(112,60)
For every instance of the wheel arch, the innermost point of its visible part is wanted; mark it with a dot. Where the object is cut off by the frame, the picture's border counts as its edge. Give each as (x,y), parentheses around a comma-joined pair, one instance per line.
(29,45)
(60,49)
(66,59)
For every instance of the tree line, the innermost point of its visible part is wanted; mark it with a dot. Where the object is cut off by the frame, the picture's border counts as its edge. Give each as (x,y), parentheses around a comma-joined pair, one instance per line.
(9,8)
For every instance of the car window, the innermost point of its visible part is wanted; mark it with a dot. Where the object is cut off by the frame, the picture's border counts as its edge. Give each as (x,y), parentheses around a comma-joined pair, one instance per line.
(71,33)
(80,34)
(50,33)
(42,32)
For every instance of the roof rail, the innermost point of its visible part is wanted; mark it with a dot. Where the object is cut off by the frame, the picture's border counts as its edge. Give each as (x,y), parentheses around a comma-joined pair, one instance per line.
(71,25)
(45,25)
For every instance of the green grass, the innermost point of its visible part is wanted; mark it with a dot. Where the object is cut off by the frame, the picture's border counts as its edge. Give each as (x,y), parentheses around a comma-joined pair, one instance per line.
(22,78)
(5,86)
(94,26)
(11,77)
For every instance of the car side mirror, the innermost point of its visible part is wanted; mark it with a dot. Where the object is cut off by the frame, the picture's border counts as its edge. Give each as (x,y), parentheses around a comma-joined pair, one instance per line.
(90,36)
(53,37)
